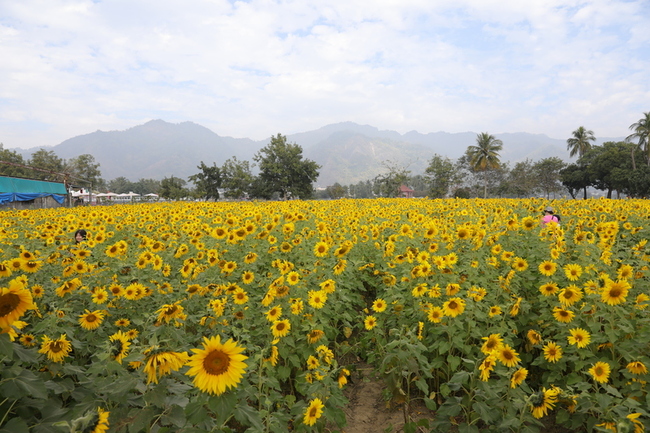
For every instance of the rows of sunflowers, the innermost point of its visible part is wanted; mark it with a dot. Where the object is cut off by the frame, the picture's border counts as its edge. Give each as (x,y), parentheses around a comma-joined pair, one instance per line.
(233,317)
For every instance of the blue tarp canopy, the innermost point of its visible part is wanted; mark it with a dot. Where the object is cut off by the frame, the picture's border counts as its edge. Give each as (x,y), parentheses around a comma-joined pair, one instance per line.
(14,189)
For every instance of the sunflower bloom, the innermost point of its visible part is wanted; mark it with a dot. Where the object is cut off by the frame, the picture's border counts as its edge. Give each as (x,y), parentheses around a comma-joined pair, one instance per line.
(570,295)
(543,401)
(370,322)
(379,305)
(579,337)
(453,307)
(615,292)
(573,271)
(435,314)
(14,302)
(313,411)
(552,352)
(280,328)
(600,372)
(507,355)
(57,349)
(217,366)
(91,320)
(547,268)
(518,377)
(562,315)
(160,363)
(120,345)
(637,367)
(492,343)
(99,422)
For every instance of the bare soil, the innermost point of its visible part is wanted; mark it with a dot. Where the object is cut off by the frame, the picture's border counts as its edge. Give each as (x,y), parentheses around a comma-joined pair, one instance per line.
(368,410)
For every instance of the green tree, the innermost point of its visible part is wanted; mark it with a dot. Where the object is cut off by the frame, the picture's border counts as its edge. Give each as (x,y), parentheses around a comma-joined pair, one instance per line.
(387,184)
(51,165)
(440,174)
(120,185)
(84,168)
(283,170)
(607,166)
(362,189)
(207,182)
(547,174)
(10,157)
(521,180)
(336,191)
(580,142)
(146,186)
(236,177)
(173,188)
(484,156)
(642,134)
(574,177)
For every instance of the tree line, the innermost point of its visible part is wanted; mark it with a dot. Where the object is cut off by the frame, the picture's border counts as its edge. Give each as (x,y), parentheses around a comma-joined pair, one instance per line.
(283,173)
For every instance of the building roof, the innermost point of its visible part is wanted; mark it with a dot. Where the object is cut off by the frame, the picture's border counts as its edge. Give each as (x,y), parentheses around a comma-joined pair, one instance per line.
(28,186)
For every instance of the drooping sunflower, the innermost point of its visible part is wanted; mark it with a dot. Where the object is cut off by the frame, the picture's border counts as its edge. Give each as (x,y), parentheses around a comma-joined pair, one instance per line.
(162,362)
(99,422)
(552,352)
(453,307)
(91,320)
(543,401)
(280,328)
(507,355)
(314,335)
(637,367)
(57,349)
(600,372)
(273,358)
(615,292)
(218,366)
(120,345)
(534,337)
(579,337)
(15,300)
(487,366)
(313,412)
(518,377)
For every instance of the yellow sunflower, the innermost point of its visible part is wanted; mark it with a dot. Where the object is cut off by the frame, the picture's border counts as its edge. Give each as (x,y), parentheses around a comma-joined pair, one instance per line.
(315,335)
(547,268)
(120,345)
(160,363)
(379,305)
(518,377)
(570,295)
(573,271)
(579,337)
(615,292)
(600,372)
(637,367)
(543,401)
(15,300)
(562,315)
(454,307)
(435,314)
(492,343)
(313,411)
(57,349)
(552,352)
(280,328)
(217,366)
(91,320)
(274,313)
(99,422)
(495,310)
(370,322)
(507,355)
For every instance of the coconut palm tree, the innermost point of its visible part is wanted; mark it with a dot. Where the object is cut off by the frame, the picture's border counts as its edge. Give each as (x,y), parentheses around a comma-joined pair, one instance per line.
(485,155)
(580,142)
(642,132)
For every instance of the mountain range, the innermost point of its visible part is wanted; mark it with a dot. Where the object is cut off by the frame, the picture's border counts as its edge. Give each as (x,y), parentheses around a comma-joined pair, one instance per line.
(347,152)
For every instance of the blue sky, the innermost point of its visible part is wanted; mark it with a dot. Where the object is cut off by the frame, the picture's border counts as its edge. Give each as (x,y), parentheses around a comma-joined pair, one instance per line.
(261,67)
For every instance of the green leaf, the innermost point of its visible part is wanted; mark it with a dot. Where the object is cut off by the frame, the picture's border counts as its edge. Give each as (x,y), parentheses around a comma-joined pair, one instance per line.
(444,347)
(467,428)
(6,346)
(15,425)
(247,416)
(195,412)
(222,406)
(486,413)
(430,404)
(142,419)
(454,362)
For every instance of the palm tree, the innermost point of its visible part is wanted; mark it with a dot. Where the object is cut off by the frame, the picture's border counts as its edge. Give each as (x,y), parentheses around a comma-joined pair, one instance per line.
(485,155)
(579,144)
(642,132)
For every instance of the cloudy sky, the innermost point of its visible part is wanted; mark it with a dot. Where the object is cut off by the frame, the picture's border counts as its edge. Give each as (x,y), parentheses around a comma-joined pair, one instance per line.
(261,67)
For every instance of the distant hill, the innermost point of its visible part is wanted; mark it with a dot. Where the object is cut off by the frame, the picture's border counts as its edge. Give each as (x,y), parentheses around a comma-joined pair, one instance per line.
(348,152)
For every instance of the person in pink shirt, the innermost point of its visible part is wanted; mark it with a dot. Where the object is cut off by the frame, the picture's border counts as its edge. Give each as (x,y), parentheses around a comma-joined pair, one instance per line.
(549,215)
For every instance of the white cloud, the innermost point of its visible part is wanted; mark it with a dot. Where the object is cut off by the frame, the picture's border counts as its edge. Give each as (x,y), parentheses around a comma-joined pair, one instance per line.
(252,69)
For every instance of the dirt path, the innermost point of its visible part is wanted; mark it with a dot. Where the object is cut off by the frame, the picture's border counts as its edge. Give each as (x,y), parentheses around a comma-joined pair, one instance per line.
(368,411)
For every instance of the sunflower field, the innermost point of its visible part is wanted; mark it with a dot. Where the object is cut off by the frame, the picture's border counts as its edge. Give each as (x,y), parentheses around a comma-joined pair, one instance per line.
(252,316)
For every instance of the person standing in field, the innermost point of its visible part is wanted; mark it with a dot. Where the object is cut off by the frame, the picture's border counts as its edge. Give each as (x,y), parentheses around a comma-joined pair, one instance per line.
(549,215)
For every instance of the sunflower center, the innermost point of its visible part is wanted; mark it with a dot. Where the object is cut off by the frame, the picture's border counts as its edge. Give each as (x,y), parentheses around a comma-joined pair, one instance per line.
(615,292)
(280,326)
(453,305)
(8,303)
(56,347)
(91,318)
(216,363)
(507,355)
(313,411)
(599,371)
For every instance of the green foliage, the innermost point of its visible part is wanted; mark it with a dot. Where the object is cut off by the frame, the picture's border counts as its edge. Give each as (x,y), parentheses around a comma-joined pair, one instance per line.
(388,183)
(440,174)
(12,157)
(207,182)
(237,178)
(284,171)
(47,160)
(173,188)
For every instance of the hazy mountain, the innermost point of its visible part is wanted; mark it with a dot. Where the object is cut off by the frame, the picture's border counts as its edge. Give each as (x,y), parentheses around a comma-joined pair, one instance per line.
(347,152)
